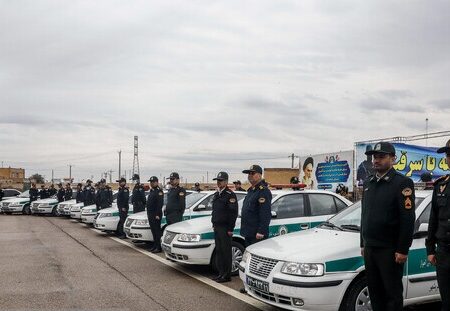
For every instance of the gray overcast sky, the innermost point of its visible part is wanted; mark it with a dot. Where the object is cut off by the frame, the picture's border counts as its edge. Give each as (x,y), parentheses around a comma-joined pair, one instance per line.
(214,85)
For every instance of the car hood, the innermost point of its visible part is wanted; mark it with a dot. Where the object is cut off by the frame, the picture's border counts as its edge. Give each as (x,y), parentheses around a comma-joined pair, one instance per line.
(73,201)
(82,208)
(49,200)
(195,226)
(309,246)
(140,216)
(17,200)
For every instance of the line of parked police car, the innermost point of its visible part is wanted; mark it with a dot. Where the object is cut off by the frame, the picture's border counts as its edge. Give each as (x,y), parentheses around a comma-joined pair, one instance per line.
(311,260)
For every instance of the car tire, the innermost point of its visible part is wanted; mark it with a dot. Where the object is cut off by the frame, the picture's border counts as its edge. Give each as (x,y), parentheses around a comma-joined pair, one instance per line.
(8,213)
(55,212)
(237,250)
(26,210)
(357,297)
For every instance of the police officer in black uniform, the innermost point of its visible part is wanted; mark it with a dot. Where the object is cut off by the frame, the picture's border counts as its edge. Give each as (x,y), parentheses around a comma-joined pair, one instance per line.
(256,208)
(61,192)
(438,241)
(43,193)
(197,187)
(176,200)
(88,193)
(104,195)
(387,227)
(51,191)
(224,214)
(155,202)
(79,198)
(238,186)
(68,193)
(122,204)
(138,199)
(34,193)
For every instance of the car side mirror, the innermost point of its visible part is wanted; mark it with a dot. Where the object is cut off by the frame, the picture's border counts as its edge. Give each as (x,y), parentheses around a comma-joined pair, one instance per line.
(200,207)
(422,231)
(274,214)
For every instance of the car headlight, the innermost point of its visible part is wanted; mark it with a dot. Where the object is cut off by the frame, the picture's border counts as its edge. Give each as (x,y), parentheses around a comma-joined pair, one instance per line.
(303,269)
(87,211)
(246,256)
(105,215)
(186,237)
(141,222)
(15,205)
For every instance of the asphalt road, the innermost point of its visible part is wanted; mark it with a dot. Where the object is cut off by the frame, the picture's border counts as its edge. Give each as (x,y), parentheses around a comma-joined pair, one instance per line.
(58,263)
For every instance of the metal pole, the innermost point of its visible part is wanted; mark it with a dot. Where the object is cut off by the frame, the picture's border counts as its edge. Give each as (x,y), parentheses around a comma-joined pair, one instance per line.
(120,162)
(426,132)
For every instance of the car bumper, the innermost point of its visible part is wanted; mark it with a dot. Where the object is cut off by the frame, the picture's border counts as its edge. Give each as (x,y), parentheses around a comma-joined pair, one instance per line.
(300,293)
(12,209)
(88,219)
(196,253)
(106,223)
(75,215)
(139,234)
(41,210)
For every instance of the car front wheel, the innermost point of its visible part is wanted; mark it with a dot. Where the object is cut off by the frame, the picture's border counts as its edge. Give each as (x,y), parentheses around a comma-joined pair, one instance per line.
(357,297)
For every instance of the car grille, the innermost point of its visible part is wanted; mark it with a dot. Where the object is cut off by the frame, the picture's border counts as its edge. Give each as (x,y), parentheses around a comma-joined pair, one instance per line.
(5,204)
(261,266)
(272,297)
(35,205)
(129,222)
(169,236)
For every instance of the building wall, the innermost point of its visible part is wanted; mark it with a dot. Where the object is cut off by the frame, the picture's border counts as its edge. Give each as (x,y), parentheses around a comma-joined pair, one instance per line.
(12,177)
(280,175)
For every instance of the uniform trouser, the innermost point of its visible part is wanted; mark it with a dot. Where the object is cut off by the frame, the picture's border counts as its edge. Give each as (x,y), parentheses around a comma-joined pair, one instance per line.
(384,279)
(223,251)
(122,216)
(443,277)
(249,241)
(155,226)
(174,218)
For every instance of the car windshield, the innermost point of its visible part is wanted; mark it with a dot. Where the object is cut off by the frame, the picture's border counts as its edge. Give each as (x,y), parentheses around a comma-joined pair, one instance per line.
(193,198)
(350,218)
(25,194)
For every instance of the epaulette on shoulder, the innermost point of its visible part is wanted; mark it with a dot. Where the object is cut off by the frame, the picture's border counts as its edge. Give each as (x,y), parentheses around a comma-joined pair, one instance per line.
(442,178)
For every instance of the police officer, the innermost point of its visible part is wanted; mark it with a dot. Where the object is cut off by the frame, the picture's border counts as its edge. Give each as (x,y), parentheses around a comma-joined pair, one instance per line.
(224,214)
(103,195)
(438,241)
(122,204)
(34,193)
(256,208)
(68,193)
(60,193)
(43,193)
(387,226)
(197,187)
(138,199)
(88,193)
(79,198)
(51,191)
(155,202)
(176,200)
(238,186)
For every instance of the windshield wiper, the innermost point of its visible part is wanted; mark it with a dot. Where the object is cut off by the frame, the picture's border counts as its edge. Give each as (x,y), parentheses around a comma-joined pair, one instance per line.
(330,225)
(351,227)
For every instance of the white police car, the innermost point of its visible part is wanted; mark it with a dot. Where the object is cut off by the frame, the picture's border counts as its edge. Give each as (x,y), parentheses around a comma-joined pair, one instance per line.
(18,204)
(107,219)
(322,268)
(198,204)
(192,241)
(75,210)
(88,214)
(64,207)
(49,205)
(10,193)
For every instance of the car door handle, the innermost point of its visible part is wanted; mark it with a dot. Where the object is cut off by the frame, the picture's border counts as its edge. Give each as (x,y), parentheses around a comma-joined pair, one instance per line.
(304,226)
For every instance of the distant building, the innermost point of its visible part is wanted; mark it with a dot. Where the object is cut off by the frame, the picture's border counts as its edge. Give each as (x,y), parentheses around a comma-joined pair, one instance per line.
(12,177)
(280,175)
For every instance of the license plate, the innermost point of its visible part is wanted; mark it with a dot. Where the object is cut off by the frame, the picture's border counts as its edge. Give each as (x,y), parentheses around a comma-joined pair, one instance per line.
(257,284)
(166,248)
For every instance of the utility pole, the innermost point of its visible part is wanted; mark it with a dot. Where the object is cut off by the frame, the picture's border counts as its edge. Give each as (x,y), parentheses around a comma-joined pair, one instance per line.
(70,173)
(53,175)
(136,156)
(207,177)
(110,176)
(426,132)
(120,163)
(292,156)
